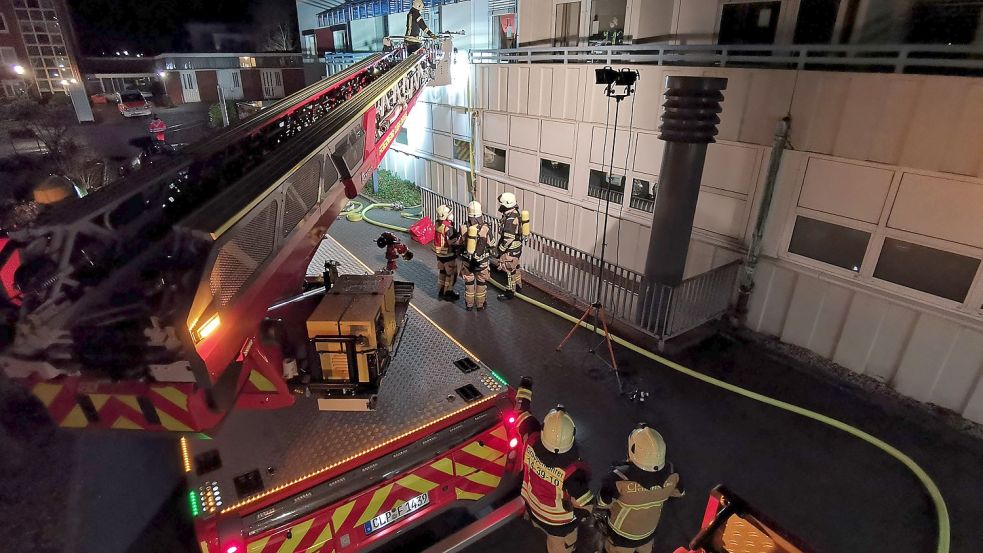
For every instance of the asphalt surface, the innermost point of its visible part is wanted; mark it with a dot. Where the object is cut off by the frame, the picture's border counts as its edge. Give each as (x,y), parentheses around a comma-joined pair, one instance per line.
(115,492)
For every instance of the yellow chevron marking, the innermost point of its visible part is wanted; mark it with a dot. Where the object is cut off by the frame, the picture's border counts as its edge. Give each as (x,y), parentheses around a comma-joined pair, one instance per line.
(175,396)
(484,478)
(99,400)
(257,546)
(463,470)
(262,383)
(131,402)
(124,423)
(444,465)
(481,451)
(417,484)
(75,419)
(378,498)
(471,496)
(171,423)
(340,515)
(325,536)
(297,534)
(46,392)
(500,433)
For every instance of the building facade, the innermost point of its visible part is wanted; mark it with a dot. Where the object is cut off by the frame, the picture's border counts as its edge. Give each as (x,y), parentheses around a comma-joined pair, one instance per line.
(37,48)
(872,254)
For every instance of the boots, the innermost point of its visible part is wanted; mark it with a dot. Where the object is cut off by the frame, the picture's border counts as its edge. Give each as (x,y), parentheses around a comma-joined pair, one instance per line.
(449,295)
(506,296)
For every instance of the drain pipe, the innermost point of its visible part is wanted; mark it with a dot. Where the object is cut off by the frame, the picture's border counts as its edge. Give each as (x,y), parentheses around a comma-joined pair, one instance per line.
(754,249)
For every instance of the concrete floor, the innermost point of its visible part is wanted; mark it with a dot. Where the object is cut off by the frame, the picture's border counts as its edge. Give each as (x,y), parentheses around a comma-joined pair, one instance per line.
(110,492)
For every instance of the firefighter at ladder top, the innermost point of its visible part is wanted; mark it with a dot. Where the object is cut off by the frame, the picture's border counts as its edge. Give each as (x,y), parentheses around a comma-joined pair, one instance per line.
(446,242)
(414,26)
(636,491)
(515,227)
(555,480)
(475,258)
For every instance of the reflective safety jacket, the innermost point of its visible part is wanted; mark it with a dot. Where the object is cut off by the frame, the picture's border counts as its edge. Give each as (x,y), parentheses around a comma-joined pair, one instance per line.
(511,240)
(635,498)
(414,25)
(553,484)
(446,239)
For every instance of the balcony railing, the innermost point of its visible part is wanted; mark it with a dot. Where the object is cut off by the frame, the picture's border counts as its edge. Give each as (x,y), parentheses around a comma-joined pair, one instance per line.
(616,197)
(659,310)
(643,204)
(906,58)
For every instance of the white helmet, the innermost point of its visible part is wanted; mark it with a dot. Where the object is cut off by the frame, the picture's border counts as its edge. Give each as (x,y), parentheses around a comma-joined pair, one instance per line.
(474,209)
(507,200)
(646,449)
(444,212)
(558,431)
(418,4)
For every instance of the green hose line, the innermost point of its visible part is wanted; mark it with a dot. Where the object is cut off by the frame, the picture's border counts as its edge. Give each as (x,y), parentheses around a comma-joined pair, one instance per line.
(365,216)
(941,511)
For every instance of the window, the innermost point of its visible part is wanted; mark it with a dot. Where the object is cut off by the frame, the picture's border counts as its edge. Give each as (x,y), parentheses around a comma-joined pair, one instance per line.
(830,243)
(816,21)
(567,29)
(934,22)
(600,182)
(402,137)
(642,195)
(554,173)
(748,23)
(937,272)
(3,24)
(247,61)
(462,150)
(494,159)
(608,21)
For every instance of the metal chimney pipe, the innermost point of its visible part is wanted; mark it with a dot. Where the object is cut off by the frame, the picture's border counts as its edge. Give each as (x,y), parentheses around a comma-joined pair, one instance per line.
(689,123)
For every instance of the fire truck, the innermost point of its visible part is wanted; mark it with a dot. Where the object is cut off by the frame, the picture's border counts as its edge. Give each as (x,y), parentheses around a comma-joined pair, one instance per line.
(338,416)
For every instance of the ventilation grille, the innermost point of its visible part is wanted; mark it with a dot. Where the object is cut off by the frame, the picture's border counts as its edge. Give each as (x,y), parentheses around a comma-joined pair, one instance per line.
(293,211)
(248,246)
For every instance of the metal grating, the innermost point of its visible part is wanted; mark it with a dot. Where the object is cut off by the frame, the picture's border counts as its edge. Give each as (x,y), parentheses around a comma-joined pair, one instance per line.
(293,211)
(248,246)
(330,177)
(307,180)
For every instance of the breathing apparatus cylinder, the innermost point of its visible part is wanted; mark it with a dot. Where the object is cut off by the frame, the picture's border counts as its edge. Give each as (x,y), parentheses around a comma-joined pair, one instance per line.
(526,227)
(472,243)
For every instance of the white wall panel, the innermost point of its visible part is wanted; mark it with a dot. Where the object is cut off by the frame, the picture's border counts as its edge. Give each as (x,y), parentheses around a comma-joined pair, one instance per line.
(730,167)
(523,166)
(960,371)
(441,118)
(873,337)
(495,127)
(558,138)
(768,307)
(460,122)
(495,81)
(861,112)
(600,151)
(897,101)
(944,208)
(566,93)
(817,109)
(648,153)
(420,117)
(442,145)
(928,349)
(524,133)
(964,154)
(935,115)
(721,214)
(854,191)
(769,98)
(974,405)
(518,91)
(540,91)
(647,101)
(815,315)
(735,97)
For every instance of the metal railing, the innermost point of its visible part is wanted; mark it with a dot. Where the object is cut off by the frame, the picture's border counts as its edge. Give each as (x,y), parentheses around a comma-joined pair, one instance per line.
(643,204)
(616,196)
(660,310)
(335,62)
(902,58)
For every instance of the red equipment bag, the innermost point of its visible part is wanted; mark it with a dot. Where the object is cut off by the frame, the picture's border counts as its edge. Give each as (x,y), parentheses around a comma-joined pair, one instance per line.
(423,231)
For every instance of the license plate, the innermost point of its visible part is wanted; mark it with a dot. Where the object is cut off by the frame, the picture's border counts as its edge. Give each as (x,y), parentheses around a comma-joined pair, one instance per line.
(385,519)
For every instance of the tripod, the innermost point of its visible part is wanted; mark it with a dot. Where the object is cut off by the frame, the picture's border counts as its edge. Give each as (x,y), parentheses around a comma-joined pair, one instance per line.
(596,310)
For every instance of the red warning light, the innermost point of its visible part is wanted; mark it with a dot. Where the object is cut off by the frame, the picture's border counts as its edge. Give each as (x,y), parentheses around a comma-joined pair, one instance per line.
(232,549)
(512,419)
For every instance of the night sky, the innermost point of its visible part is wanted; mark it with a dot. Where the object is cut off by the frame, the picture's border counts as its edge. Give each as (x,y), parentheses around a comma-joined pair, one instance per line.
(155,26)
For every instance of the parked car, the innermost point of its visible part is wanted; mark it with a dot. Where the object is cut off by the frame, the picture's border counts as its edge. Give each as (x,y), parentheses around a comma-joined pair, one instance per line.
(133,104)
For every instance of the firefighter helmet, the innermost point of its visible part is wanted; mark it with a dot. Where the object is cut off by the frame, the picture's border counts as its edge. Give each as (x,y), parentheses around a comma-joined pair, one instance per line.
(474,209)
(646,448)
(507,200)
(558,431)
(418,4)
(444,212)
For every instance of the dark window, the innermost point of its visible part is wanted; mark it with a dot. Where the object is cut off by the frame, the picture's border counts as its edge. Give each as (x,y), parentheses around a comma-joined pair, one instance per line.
(3,23)
(749,23)
(816,21)
(131,97)
(946,22)
(829,243)
(494,158)
(402,137)
(599,183)
(462,150)
(642,195)
(940,273)
(554,173)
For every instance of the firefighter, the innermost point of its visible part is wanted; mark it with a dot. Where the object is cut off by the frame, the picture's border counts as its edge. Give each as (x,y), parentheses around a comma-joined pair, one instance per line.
(555,480)
(157,127)
(636,491)
(414,26)
(474,269)
(515,225)
(446,241)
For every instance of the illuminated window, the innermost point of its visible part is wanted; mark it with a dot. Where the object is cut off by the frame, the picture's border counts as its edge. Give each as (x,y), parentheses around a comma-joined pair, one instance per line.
(554,173)
(494,159)
(600,182)
(830,243)
(937,272)
(247,61)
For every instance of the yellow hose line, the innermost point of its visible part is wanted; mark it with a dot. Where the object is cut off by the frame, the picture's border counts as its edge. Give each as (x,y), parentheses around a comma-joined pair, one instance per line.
(365,215)
(941,511)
